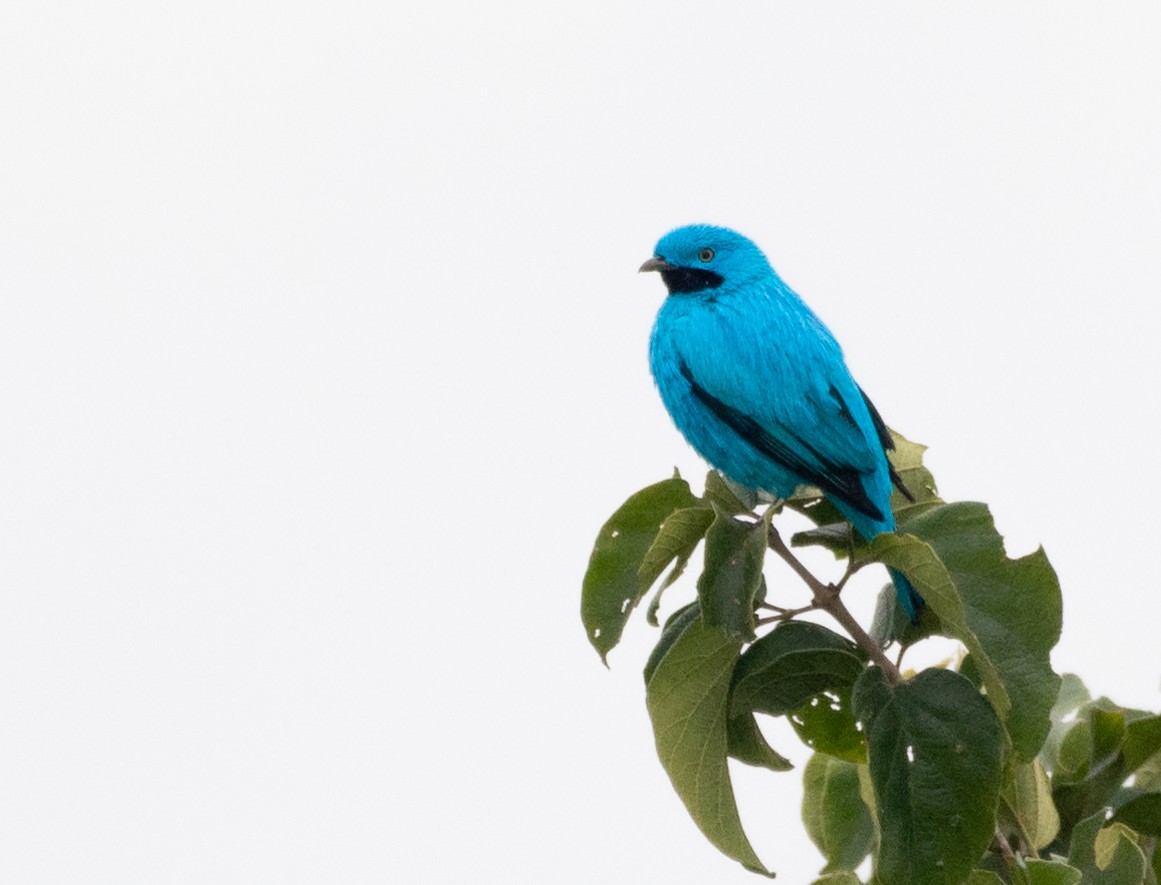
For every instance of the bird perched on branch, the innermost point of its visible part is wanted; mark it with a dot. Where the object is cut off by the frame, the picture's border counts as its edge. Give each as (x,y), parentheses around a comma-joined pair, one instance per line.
(758,386)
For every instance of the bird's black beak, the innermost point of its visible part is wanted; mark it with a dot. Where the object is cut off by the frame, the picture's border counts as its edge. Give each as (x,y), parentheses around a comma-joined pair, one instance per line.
(655,263)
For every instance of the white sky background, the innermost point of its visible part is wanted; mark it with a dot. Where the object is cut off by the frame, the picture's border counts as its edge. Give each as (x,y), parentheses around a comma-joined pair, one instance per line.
(322,360)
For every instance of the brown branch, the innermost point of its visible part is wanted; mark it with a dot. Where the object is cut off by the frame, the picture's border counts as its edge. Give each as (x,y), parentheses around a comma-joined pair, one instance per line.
(782,614)
(827,598)
(1001,845)
(1027,844)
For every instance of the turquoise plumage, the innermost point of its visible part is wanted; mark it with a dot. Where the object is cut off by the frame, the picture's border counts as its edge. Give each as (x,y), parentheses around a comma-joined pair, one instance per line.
(758,386)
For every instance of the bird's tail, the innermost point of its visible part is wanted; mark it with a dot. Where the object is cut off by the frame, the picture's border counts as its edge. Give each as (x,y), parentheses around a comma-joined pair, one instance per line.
(911,601)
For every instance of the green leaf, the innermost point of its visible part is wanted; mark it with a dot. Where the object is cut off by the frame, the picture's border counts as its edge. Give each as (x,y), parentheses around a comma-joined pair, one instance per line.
(1074,750)
(791,664)
(843,877)
(729,496)
(675,625)
(1148,773)
(1107,856)
(837,820)
(1071,697)
(826,723)
(1097,754)
(734,553)
(891,624)
(1012,607)
(919,561)
(867,791)
(992,862)
(907,458)
(687,698)
(1050,872)
(884,629)
(680,534)
(611,587)
(810,503)
(1108,731)
(834,536)
(1142,813)
(1026,804)
(969,671)
(983,877)
(1086,796)
(1108,841)
(1142,740)
(934,747)
(747,744)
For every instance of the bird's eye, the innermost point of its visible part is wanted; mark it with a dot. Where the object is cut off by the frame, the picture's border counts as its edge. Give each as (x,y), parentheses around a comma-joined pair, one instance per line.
(706,254)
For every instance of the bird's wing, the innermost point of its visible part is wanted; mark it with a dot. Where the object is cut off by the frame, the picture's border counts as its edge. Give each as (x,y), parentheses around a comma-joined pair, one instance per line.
(817,426)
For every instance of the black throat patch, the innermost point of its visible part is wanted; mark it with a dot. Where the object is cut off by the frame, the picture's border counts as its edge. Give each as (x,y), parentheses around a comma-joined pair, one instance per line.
(690,279)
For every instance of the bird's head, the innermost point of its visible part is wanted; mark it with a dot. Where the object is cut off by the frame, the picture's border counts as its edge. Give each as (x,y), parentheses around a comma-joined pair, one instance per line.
(703,258)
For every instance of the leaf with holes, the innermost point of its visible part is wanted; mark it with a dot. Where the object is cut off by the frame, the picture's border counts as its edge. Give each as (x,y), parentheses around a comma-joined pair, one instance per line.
(934,752)
(790,665)
(810,503)
(826,723)
(611,587)
(732,578)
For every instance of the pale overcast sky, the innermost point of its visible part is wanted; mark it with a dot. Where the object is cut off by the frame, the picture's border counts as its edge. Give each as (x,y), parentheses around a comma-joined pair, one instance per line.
(322,360)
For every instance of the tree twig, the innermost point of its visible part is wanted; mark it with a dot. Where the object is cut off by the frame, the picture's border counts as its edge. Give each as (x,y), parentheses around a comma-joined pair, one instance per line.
(852,565)
(1001,844)
(827,598)
(1026,842)
(782,614)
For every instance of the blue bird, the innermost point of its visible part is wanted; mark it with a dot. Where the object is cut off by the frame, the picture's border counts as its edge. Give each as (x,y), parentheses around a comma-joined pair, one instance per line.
(758,386)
